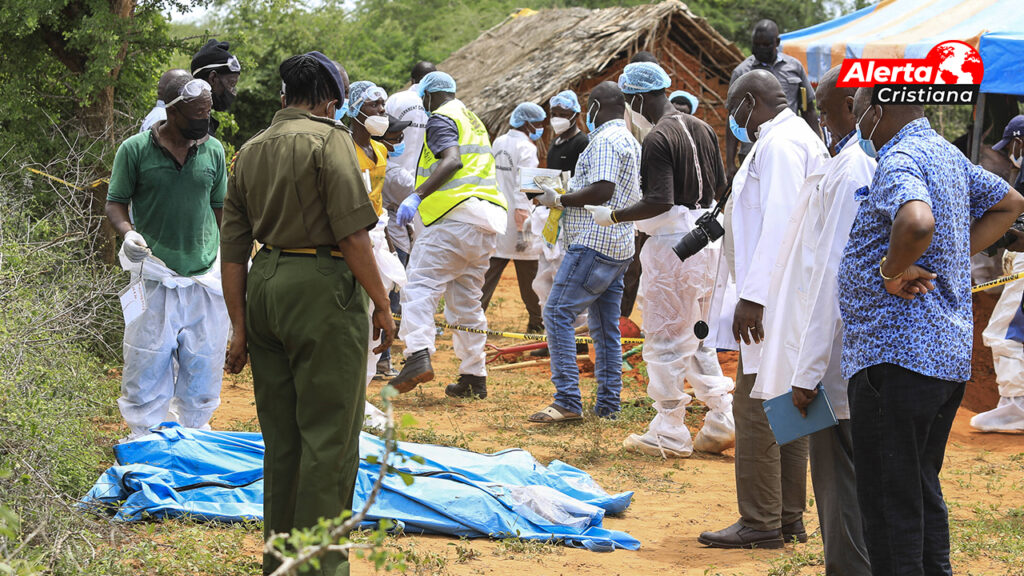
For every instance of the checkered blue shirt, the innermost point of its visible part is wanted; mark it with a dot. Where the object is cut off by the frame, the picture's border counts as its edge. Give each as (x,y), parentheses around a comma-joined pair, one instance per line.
(613,156)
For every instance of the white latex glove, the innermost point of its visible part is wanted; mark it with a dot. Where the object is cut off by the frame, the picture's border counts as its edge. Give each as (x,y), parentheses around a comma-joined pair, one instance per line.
(135,247)
(602,214)
(549,198)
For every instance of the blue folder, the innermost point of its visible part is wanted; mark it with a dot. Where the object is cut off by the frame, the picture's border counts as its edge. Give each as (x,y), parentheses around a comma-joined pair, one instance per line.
(789,424)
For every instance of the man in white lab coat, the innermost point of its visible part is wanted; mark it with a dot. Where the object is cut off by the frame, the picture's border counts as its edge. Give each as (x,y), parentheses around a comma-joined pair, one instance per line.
(804,330)
(514,150)
(771,481)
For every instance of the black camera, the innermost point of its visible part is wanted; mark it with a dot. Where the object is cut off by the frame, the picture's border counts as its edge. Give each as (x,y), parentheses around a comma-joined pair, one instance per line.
(706,229)
(1007,239)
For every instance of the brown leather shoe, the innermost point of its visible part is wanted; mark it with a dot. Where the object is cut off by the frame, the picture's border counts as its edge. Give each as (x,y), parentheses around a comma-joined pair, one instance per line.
(739,536)
(468,386)
(417,370)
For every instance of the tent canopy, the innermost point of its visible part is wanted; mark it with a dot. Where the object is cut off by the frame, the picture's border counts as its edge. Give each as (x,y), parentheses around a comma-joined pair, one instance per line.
(910,28)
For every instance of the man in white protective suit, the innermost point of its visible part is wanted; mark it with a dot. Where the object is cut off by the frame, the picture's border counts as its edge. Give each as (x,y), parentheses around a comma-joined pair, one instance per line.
(1005,336)
(174,178)
(803,341)
(458,201)
(681,173)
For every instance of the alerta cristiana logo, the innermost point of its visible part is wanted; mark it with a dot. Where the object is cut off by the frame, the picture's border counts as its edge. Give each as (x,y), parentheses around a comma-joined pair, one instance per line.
(950,74)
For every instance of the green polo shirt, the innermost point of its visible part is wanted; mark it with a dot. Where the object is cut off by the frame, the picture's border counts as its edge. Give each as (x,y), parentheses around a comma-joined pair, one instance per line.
(172,205)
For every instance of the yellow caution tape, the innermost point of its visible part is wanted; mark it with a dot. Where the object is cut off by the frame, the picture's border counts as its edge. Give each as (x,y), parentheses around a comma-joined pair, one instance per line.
(518,336)
(997,282)
(69,184)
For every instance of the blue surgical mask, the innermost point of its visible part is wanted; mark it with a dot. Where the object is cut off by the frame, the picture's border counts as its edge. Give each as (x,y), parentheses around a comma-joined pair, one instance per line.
(739,132)
(536,134)
(592,113)
(340,112)
(398,150)
(866,144)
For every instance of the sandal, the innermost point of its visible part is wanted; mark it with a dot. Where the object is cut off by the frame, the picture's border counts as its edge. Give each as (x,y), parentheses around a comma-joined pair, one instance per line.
(553,414)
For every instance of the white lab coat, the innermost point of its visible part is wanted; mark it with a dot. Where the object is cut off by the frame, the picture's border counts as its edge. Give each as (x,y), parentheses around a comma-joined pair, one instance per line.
(764,193)
(803,328)
(513,151)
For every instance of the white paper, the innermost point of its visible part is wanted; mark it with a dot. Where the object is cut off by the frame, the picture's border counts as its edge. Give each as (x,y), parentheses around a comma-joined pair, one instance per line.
(133,301)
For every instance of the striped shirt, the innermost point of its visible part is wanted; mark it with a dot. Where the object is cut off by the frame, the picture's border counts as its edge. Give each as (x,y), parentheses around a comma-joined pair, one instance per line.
(613,155)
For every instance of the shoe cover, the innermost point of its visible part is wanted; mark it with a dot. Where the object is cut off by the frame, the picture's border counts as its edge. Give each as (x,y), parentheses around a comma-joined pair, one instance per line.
(718,433)
(1007,416)
(652,445)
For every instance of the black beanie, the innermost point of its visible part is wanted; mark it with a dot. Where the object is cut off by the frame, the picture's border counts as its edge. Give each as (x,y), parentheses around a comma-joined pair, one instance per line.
(213,52)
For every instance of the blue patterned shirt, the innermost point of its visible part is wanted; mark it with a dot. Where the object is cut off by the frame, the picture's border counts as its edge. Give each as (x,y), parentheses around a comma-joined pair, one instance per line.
(613,155)
(931,334)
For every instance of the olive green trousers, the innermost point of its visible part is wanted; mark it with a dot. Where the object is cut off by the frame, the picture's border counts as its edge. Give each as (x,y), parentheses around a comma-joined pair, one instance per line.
(306,326)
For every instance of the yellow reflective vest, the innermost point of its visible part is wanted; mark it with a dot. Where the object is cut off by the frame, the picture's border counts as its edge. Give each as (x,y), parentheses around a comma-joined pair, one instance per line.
(476,177)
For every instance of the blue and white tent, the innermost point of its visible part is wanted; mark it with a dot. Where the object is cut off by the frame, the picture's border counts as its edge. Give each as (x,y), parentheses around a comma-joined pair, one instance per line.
(910,28)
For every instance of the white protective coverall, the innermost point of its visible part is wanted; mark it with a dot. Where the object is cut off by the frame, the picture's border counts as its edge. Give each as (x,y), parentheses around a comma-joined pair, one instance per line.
(398,184)
(450,258)
(673,296)
(392,273)
(803,328)
(1003,334)
(175,349)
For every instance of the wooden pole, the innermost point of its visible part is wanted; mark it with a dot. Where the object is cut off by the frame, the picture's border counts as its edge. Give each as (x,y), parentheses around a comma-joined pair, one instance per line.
(979,121)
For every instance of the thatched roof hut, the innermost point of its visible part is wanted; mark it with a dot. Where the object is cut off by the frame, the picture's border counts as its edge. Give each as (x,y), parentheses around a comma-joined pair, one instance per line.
(532,56)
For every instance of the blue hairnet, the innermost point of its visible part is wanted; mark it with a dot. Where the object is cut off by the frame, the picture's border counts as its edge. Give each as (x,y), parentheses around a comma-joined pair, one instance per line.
(684,94)
(526,112)
(566,99)
(363,91)
(436,82)
(641,77)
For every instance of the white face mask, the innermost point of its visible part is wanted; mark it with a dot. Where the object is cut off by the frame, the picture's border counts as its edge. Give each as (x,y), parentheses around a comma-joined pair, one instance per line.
(560,125)
(376,125)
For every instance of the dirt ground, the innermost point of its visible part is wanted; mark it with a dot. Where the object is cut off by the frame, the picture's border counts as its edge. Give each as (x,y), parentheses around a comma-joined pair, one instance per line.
(674,500)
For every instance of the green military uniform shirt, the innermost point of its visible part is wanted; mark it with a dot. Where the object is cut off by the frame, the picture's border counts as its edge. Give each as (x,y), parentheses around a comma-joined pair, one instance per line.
(294,185)
(172,206)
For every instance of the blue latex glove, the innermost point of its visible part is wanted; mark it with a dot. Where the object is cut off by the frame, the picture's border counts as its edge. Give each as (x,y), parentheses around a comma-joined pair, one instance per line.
(407,210)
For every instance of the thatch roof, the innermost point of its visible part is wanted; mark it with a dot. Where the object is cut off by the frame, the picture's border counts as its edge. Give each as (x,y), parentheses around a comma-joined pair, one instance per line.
(533,56)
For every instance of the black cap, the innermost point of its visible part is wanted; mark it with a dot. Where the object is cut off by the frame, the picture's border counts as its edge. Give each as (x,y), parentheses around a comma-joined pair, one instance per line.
(332,70)
(213,53)
(396,125)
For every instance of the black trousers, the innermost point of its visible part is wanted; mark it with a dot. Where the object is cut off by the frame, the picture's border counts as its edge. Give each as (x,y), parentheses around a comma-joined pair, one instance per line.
(900,423)
(526,271)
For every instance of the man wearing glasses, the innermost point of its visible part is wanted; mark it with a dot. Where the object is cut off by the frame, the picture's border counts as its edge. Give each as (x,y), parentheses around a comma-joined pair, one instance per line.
(214,64)
(173,177)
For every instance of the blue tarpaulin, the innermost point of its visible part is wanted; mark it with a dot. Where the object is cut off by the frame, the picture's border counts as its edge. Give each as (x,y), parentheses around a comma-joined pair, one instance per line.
(218,476)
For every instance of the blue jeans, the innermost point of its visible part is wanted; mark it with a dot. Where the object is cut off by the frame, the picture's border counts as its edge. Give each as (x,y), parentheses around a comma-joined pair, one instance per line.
(586,280)
(900,422)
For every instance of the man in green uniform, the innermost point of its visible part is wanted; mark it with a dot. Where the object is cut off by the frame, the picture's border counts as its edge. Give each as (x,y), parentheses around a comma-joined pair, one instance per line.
(302,309)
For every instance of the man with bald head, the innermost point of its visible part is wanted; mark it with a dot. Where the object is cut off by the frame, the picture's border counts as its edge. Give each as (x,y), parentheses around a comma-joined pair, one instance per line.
(158,113)
(771,481)
(803,329)
(174,178)
(905,298)
(591,273)
(790,72)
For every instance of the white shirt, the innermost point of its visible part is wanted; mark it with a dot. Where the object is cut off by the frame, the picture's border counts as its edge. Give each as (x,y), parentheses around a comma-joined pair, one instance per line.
(765,192)
(396,177)
(803,328)
(155,115)
(512,151)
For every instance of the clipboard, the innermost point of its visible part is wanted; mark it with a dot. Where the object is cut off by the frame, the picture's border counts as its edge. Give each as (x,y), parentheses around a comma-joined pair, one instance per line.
(788,424)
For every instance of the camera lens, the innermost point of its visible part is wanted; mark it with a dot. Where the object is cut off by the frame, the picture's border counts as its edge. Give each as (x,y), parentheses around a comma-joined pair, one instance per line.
(690,244)
(701,330)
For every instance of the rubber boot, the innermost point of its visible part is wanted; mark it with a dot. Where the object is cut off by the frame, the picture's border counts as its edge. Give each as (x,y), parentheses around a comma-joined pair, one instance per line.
(468,386)
(417,370)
